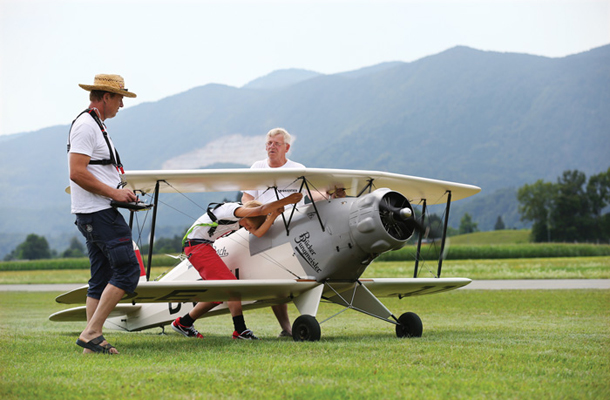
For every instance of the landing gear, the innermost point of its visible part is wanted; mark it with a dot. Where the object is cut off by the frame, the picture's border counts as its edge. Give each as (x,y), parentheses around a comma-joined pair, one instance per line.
(409,325)
(306,329)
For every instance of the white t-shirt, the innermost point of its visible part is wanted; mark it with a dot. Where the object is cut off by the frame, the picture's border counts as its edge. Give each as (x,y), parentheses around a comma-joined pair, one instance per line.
(87,138)
(226,212)
(267,196)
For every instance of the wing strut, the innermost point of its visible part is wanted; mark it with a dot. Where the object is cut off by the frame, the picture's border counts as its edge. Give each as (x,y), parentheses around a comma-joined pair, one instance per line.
(440,257)
(362,300)
(421,234)
(312,202)
(277,196)
(294,206)
(152,230)
(131,213)
(368,186)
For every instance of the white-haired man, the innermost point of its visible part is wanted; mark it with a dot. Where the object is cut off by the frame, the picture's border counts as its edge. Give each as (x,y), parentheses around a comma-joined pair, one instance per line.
(278,142)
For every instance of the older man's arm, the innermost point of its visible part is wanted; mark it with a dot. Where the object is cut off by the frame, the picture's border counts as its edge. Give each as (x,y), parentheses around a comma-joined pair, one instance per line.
(246,198)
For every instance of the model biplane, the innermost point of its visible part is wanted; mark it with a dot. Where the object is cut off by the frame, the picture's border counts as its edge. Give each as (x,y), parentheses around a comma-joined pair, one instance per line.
(314,252)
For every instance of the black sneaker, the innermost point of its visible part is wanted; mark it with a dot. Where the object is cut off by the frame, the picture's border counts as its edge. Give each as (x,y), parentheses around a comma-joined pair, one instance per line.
(245,335)
(188,331)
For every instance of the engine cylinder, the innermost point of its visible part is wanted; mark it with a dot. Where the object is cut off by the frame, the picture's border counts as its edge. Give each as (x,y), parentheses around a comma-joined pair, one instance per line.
(381,221)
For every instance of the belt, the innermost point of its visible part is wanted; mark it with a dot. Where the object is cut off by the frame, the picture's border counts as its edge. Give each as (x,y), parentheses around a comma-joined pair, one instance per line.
(195,242)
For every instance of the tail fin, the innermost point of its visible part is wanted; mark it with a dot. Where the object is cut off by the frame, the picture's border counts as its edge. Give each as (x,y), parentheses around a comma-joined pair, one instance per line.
(136,249)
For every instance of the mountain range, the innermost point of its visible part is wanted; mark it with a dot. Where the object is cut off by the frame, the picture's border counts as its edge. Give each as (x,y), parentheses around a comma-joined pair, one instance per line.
(495,120)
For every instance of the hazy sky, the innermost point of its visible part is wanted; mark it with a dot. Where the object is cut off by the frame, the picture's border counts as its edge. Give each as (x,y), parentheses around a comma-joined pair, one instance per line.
(165,47)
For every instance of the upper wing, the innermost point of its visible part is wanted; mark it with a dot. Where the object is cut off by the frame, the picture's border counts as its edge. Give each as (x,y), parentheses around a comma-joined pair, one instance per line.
(198,291)
(406,287)
(223,180)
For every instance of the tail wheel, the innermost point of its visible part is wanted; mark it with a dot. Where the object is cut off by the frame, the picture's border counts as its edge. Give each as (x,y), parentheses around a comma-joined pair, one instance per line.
(409,325)
(306,329)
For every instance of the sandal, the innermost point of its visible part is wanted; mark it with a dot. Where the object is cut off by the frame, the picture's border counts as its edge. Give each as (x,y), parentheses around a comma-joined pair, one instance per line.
(94,345)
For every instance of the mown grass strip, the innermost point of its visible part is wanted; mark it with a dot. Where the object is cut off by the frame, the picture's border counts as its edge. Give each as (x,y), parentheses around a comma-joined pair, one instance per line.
(523,268)
(487,252)
(519,268)
(408,253)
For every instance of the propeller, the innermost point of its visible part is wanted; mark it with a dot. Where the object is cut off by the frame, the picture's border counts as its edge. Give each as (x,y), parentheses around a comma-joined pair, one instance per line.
(397,216)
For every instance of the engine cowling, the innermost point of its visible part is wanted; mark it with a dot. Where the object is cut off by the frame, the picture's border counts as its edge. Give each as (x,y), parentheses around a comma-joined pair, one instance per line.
(381,221)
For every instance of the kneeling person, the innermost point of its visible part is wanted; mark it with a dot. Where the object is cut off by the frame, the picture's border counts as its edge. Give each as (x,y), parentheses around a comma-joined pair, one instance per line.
(198,242)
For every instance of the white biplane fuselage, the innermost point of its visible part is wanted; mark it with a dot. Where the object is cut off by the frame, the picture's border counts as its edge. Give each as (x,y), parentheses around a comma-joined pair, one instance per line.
(314,252)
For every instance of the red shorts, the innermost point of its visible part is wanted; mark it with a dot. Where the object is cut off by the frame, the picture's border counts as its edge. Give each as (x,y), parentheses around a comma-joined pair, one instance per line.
(210,266)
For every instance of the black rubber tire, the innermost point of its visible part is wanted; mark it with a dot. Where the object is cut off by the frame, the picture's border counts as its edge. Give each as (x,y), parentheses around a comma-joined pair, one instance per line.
(409,325)
(306,329)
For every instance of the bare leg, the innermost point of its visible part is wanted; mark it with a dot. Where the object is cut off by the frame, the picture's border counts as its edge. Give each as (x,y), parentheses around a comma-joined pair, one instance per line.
(201,308)
(281,313)
(110,298)
(91,306)
(235,308)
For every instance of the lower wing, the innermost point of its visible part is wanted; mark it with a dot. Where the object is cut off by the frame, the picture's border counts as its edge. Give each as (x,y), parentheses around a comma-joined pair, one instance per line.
(406,287)
(265,289)
(198,291)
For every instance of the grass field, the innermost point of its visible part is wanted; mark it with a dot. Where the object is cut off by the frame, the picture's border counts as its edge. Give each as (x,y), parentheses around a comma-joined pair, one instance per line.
(476,344)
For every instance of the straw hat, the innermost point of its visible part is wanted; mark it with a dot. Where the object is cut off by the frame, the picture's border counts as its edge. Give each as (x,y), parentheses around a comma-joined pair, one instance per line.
(109,83)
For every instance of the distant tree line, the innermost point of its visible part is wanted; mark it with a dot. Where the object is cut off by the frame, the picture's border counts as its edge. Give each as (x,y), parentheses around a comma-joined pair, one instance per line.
(36,247)
(165,246)
(570,210)
(435,225)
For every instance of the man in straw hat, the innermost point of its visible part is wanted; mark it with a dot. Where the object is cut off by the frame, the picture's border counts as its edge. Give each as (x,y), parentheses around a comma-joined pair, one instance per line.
(95,180)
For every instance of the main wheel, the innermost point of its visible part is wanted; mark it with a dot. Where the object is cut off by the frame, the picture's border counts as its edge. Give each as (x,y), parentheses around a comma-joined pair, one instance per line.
(306,329)
(409,325)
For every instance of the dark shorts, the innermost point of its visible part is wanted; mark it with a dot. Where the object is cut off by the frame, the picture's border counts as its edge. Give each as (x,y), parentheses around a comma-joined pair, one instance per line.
(111,253)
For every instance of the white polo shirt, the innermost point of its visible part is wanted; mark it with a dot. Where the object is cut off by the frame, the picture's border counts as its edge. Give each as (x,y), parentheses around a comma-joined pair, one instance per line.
(267,196)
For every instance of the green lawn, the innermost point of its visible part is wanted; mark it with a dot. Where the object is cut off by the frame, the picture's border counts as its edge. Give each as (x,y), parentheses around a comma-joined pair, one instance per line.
(551,344)
(476,345)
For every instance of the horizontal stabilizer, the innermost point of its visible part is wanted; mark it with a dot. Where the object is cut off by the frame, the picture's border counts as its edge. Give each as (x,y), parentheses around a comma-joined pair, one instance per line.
(80,313)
